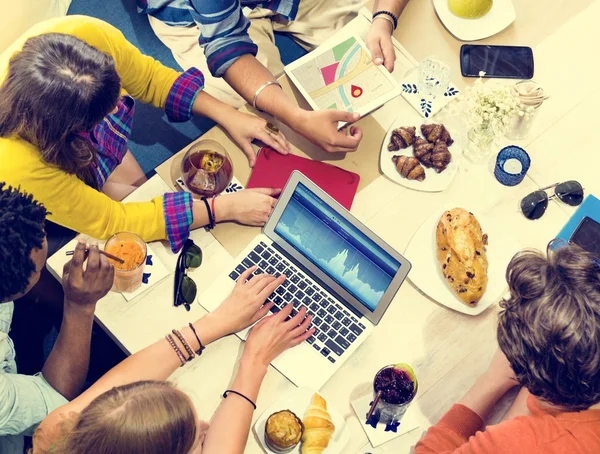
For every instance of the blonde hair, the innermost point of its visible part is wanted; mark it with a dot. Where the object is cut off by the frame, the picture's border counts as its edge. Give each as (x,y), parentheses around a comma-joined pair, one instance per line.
(549,327)
(146,417)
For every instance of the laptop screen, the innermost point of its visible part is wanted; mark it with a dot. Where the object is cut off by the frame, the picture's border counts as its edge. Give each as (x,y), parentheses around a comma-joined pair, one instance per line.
(336,247)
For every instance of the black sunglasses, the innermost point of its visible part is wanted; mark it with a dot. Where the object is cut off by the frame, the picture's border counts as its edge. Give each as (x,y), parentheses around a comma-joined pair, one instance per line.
(185,288)
(534,205)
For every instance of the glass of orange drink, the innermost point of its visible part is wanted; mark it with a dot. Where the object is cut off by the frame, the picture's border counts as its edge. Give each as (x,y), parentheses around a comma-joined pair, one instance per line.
(132,250)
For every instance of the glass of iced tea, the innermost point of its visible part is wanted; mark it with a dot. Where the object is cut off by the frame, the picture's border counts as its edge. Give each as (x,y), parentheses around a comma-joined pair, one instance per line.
(394,388)
(132,249)
(206,168)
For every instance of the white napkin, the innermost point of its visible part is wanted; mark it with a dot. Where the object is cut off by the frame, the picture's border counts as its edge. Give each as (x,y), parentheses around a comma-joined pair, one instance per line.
(410,421)
(426,106)
(154,272)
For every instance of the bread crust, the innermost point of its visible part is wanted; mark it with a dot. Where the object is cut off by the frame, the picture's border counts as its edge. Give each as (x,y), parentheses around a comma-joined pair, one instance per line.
(462,255)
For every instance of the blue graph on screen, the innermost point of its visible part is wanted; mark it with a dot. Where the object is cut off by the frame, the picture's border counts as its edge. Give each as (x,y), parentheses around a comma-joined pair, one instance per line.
(312,232)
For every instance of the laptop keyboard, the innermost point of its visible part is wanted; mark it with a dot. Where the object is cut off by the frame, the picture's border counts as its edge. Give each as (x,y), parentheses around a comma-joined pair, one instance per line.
(335,327)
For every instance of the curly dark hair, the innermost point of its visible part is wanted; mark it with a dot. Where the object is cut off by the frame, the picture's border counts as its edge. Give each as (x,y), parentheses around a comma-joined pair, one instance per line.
(21,231)
(549,328)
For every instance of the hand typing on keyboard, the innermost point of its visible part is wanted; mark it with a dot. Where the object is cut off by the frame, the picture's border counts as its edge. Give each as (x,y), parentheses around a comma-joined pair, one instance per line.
(246,303)
(276,333)
(337,328)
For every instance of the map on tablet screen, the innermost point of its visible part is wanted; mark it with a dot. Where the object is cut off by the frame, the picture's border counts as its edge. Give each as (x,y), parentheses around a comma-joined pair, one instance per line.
(343,77)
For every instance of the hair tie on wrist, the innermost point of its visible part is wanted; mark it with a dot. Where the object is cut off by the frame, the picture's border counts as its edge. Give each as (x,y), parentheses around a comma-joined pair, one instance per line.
(212,205)
(211,219)
(201,349)
(239,394)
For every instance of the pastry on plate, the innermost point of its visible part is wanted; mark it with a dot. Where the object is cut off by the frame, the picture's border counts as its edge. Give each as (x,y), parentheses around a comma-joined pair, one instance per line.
(461,253)
(422,150)
(436,133)
(440,157)
(409,167)
(318,427)
(283,431)
(402,137)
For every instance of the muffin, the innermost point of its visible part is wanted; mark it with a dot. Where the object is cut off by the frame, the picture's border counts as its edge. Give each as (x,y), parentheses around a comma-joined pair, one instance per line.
(283,431)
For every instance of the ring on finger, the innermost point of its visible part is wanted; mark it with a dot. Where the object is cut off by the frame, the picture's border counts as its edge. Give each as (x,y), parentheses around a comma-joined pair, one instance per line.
(271,128)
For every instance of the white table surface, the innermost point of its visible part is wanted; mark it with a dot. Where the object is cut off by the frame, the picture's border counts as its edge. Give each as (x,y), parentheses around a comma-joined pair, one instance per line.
(448,350)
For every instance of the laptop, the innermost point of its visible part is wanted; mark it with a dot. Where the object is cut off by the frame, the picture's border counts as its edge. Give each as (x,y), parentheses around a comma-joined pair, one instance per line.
(339,270)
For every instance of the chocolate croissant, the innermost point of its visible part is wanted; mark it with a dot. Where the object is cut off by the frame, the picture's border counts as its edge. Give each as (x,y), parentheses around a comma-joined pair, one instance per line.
(436,133)
(440,157)
(409,167)
(422,151)
(402,137)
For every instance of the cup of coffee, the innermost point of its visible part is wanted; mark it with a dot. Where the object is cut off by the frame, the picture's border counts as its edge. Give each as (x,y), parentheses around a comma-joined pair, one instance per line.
(394,388)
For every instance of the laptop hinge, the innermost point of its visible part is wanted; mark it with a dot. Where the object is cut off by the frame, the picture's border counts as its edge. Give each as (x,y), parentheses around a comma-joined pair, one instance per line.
(316,278)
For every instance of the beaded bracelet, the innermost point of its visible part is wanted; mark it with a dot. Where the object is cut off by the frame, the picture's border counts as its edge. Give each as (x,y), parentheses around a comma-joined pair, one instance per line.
(185,344)
(239,394)
(387,13)
(199,352)
(176,348)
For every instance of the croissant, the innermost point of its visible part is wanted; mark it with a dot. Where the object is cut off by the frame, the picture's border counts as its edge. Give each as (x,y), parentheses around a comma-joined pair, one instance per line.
(402,137)
(318,427)
(409,167)
(436,133)
(422,150)
(440,157)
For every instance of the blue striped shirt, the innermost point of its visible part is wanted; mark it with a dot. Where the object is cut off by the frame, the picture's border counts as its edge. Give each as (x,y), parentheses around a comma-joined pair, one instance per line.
(223,26)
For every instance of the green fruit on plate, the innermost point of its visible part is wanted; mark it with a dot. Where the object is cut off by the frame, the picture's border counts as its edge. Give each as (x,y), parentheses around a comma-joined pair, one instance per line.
(470,9)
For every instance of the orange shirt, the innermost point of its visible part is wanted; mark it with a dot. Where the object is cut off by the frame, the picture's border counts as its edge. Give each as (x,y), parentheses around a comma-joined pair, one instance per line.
(460,431)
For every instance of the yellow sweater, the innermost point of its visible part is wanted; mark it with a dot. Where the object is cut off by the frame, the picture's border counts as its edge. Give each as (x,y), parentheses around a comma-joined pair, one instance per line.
(72,203)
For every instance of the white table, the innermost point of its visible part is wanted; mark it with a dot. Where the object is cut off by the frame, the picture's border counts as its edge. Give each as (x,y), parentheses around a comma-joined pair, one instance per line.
(447,350)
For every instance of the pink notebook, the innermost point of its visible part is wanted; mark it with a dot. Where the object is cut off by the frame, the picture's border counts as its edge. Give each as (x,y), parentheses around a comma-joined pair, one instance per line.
(272,170)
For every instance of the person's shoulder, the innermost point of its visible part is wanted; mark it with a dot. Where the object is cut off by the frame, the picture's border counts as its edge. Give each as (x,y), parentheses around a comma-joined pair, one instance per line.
(517,436)
(17,154)
(54,429)
(528,435)
(7,350)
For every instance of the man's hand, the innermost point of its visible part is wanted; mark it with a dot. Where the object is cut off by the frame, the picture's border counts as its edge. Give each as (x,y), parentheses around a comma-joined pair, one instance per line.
(248,207)
(379,43)
(85,288)
(321,128)
(244,128)
(247,302)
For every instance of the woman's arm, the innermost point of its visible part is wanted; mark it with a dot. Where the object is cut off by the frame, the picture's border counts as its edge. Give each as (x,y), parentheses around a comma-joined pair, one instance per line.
(158,361)
(270,337)
(379,38)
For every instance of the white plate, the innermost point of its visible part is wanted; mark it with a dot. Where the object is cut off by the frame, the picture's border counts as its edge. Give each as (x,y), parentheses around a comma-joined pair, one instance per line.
(427,275)
(298,401)
(433,182)
(500,16)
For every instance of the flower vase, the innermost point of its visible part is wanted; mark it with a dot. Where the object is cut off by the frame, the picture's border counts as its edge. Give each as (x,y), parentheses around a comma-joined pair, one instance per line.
(479,147)
(520,123)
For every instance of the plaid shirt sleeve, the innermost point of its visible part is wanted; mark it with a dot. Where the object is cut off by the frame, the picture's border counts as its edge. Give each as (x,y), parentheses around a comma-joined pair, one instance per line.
(177,207)
(224,33)
(182,95)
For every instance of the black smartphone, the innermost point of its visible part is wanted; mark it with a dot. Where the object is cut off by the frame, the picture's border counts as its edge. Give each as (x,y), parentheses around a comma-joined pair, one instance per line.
(506,62)
(587,235)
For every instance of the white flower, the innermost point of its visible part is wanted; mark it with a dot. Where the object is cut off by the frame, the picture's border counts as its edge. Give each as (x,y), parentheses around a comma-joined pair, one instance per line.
(491,104)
